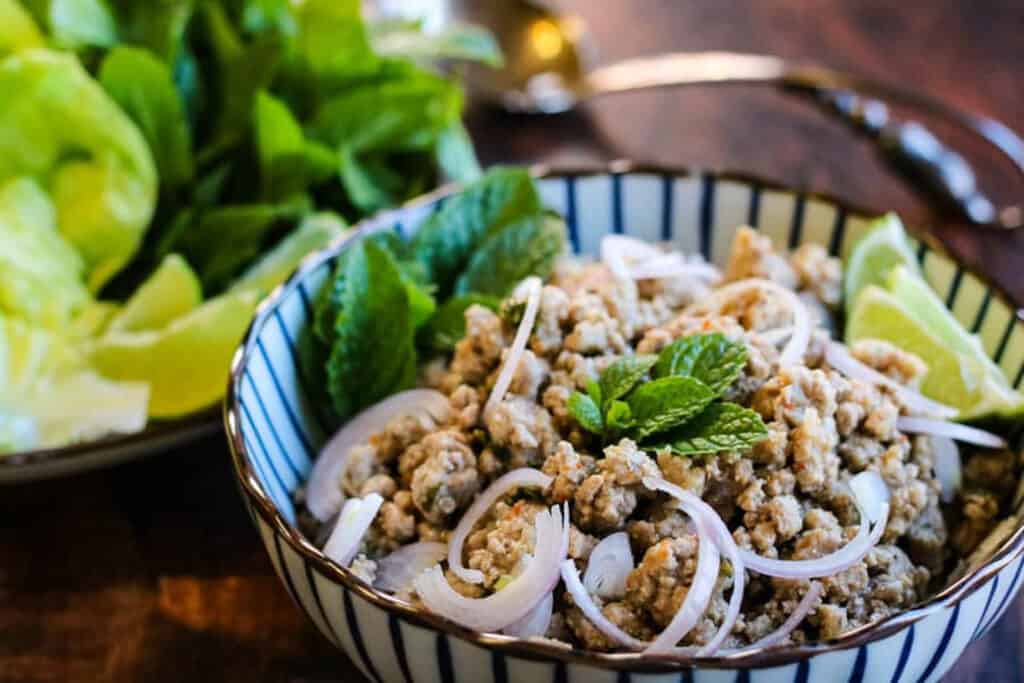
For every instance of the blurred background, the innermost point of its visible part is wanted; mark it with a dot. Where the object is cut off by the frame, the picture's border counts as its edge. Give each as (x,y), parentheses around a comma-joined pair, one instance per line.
(153,571)
(964,52)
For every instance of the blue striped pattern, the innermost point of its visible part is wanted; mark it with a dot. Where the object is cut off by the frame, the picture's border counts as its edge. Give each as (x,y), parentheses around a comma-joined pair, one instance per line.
(754,209)
(281,433)
(901,663)
(980,628)
(859,665)
(943,644)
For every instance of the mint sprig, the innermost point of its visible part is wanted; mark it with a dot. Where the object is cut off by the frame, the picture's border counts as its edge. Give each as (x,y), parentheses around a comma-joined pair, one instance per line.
(711,358)
(587,412)
(670,401)
(722,427)
(667,402)
(620,377)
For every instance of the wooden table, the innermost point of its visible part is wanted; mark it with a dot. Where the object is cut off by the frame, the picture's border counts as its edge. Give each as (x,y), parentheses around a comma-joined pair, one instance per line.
(152,572)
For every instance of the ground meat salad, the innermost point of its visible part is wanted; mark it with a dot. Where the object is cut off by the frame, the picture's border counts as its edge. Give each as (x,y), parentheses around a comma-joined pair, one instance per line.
(650,403)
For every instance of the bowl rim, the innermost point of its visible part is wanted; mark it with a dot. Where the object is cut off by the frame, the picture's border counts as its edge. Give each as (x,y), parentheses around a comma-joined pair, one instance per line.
(1009,549)
(189,426)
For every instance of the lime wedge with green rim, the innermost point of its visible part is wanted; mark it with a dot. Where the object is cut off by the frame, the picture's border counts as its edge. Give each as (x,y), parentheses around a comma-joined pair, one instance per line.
(919,298)
(169,293)
(873,257)
(957,379)
(185,363)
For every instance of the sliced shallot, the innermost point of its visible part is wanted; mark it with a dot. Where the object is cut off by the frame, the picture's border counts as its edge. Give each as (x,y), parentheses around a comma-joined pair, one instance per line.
(871,498)
(519,478)
(397,571)
(608,566)
(704,516)
(592,612)
(948,470)
(776,336)
(840,358)
(794,350)
(630,258)
(323,492)
(355,518)
(674,265)
(530,287)
(616,249)
(952,430)
(536,623)
(517,599)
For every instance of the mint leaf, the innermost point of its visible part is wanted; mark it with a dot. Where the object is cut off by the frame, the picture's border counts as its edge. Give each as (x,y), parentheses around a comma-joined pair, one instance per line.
(722,427)
(447,240)
(448,324)
(712,358)
(281,148)
(404,38)
(586,412)
(666,403)
(421,303)
(143,86)
(228,237)
(332,39)
(620,377)
(528,246)
(372,355)
(328,301)
(402,110)
(455,154)
(594,391)
(619,417)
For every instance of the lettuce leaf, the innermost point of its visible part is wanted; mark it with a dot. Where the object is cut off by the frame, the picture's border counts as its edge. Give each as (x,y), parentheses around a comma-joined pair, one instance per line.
(58,126)
(40,273)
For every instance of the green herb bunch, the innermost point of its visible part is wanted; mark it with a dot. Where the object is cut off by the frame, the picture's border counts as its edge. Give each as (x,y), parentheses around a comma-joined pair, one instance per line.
(258,112)
(390,302)
(672,400)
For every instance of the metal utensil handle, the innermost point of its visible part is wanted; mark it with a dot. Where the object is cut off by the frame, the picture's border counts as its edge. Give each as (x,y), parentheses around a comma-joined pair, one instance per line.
(909,146)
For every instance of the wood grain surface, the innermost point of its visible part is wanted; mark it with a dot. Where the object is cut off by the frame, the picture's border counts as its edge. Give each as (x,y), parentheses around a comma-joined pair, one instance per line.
(152,571)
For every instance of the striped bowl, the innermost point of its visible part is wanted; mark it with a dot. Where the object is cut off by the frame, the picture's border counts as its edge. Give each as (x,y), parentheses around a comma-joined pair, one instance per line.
(275,435)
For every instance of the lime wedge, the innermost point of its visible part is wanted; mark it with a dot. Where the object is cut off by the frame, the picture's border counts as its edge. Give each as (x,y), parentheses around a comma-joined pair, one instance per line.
(169,293)
(919,298)
(93,319)
(83,407)
(884,247)
(955,378)
(313,233)
(952,378)
(185,363)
